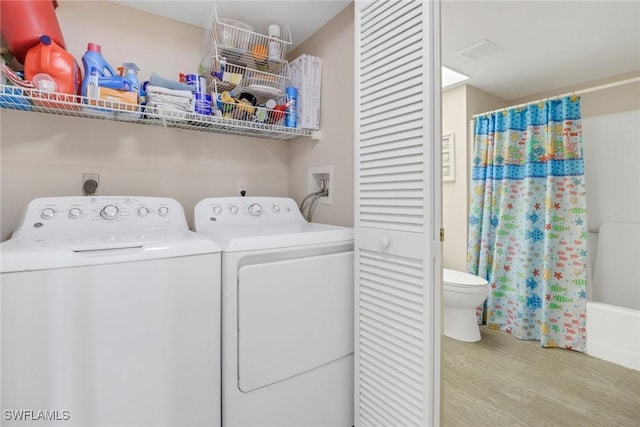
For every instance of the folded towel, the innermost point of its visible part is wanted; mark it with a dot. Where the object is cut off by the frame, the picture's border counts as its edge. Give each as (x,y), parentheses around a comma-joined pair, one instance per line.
(160,81)
(173,92)
(170,98)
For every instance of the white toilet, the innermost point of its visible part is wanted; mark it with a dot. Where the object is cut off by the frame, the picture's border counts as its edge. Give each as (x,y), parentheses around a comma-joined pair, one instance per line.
(463,292)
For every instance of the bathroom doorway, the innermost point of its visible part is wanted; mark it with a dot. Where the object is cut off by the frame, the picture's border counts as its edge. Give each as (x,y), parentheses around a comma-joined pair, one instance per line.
(470,28)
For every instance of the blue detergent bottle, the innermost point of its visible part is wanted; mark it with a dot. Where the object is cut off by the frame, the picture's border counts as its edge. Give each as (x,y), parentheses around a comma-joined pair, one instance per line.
(93,59)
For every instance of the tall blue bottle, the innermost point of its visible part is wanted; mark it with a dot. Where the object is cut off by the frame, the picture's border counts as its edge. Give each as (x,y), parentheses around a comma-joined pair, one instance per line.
(93,59)
(292,107)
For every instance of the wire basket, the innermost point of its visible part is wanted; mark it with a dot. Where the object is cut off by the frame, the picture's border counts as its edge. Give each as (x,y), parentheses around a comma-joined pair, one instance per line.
(240,43)
(225,75)
(264,110)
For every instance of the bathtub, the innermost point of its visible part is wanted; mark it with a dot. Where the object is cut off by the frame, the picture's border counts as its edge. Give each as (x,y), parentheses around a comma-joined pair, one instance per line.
(613,294)
(613,334)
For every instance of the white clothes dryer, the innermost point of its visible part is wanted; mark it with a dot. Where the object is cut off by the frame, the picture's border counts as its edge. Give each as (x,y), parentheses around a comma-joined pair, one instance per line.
(287,313)
(110,312)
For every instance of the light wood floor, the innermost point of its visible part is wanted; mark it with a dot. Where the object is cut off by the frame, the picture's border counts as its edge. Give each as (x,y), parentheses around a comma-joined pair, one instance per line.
(504,381)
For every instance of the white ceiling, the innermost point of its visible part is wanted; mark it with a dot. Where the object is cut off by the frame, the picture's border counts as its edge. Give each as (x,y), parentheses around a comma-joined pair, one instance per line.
(547,45)
(303,17)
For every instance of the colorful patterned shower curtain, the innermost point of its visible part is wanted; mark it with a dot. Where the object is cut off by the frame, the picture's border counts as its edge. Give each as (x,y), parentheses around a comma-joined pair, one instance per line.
(527,222)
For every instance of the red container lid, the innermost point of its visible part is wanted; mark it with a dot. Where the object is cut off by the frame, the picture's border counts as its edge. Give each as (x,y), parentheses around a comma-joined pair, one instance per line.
(94,47)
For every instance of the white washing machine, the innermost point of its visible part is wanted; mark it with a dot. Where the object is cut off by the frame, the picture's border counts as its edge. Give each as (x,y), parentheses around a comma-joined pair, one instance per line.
(110,312)
(287,313)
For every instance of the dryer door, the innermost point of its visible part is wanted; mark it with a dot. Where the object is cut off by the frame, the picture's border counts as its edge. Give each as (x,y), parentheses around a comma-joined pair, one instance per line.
(293,316)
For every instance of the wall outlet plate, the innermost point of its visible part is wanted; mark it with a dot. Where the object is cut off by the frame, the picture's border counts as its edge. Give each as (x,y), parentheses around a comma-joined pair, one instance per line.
(90,176)
(93,176)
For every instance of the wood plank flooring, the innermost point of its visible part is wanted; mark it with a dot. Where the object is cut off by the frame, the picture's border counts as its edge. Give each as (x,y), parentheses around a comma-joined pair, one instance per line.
(504,381)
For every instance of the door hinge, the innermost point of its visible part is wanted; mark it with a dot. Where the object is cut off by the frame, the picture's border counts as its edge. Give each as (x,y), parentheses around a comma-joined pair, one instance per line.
(442,234)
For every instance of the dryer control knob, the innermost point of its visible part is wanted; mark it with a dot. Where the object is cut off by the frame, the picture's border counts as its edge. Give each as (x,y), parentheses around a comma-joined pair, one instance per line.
(110,212)
(163,211)
(143,211)
(255,209)
(275,209)
(217,210)
(75,213)
(47,213)
(233,210)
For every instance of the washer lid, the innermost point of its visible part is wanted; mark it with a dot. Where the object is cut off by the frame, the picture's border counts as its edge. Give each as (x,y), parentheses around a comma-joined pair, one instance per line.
(80,249)
(459,278)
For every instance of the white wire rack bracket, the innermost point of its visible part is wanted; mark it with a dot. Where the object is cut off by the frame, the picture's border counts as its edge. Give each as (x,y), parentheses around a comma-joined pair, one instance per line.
(32,100)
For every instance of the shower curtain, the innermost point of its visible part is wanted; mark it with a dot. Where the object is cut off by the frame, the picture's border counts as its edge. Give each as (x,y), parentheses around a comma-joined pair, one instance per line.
(527,222)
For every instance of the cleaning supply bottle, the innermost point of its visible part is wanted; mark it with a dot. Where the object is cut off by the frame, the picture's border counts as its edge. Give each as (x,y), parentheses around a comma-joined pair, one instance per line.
(292,107)
(92,85)
(93,59)
(48,58)
(130,73)
(275,48)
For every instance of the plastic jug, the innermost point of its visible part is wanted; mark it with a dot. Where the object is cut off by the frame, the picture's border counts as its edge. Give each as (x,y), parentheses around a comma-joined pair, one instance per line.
(24,21)
(49,58)
(93,59)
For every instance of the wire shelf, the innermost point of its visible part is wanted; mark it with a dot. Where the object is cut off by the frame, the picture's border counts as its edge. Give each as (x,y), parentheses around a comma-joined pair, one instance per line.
(33,100)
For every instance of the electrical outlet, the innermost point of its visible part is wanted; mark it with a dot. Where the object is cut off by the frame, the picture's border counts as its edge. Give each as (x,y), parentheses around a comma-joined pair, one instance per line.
(242,186)
(93,176)
(88,187)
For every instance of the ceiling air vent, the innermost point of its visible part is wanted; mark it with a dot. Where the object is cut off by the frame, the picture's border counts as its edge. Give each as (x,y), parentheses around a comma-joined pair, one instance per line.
(479,50)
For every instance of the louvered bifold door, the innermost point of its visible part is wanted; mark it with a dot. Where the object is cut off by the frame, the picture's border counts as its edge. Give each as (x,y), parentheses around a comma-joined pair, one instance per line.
(397,327)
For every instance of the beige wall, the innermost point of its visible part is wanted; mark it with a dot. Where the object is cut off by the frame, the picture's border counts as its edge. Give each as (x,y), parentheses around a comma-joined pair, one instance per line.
(458,107)
(334,44)
(45,155)
(454,193)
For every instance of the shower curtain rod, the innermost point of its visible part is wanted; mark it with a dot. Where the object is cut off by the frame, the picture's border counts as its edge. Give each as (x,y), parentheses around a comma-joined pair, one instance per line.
(577,92)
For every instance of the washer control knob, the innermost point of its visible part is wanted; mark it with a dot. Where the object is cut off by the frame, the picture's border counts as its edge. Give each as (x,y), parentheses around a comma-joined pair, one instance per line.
(255,209)
(275,209)
(75,213)
(110,212)
(163,211)
(47,213)
(233,210)
(217,210)
(143,211)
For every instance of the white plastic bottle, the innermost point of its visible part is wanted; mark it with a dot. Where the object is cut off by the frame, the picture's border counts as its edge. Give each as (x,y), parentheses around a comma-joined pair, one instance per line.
(275,50)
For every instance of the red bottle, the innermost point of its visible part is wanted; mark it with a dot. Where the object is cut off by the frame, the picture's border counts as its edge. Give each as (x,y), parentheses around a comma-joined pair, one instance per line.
(22,22)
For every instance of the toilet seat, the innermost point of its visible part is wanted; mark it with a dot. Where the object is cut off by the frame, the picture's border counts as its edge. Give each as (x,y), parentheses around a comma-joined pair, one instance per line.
(459,279)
